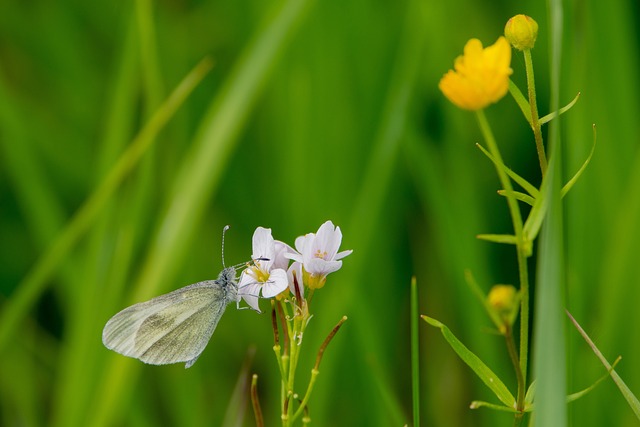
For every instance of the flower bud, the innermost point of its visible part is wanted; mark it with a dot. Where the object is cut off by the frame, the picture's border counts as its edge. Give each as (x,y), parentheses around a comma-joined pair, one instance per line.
(504,300)
(521,31)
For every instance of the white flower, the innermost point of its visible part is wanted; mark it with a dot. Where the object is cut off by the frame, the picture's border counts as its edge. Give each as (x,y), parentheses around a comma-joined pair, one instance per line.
(319,254)
(267,276)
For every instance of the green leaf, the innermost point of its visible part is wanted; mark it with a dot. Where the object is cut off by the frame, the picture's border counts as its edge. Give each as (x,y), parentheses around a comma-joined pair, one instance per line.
(528,398)
(415,353)
(572,397)
(563,110)
(536,216)
(528,187)
(575,396)
(518,196)
(498,238)
(573,180)
(486,375)
(549,337)
(632,400)
(480,404)
(520,100)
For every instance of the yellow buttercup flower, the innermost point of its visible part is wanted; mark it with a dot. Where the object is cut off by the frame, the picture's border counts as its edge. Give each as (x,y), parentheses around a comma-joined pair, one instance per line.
(481,76)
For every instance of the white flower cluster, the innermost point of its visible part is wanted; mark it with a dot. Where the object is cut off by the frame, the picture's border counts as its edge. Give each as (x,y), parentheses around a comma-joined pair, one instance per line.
(314,257)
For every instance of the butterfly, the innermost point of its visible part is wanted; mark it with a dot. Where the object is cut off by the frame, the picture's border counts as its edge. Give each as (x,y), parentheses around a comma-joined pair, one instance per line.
(173,327)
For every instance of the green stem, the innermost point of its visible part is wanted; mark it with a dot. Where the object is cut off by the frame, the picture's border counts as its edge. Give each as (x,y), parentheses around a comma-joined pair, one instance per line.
(524,310)
(535,120)
(513,355)
(255,401)
(298,326)
(516,218)
(315,371)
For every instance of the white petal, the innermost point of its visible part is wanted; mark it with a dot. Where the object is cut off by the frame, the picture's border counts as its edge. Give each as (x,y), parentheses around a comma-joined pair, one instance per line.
(309,249)
(252,302)
(280,259)
(263,247)
(245,279)
(295,256)
(321,267)
(343,254)
(250,293)
(300,241)
(328,240)
(277,283)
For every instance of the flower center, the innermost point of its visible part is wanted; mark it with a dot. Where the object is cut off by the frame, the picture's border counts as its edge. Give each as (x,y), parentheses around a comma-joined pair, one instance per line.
(257,273)
(320,254)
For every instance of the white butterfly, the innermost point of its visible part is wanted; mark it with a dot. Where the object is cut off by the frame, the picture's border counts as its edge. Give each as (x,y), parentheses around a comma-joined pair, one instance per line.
(174,327)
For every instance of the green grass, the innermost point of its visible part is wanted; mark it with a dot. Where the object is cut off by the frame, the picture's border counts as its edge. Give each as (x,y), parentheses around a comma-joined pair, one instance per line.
(312,111)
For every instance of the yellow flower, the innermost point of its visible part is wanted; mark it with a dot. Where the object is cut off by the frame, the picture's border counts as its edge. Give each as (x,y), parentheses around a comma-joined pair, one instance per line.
(481,76)
(521,31)
(504,300)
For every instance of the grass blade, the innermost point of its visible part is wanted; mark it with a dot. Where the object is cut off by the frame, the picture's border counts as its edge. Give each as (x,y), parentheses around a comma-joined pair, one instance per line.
(624,389)
(415,354)
(36,280)
(549,335)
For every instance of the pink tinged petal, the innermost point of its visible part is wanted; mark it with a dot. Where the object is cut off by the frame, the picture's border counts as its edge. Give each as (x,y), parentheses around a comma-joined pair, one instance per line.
(321,267)
(277,283)
(295,269)
(280,258)
(250,292)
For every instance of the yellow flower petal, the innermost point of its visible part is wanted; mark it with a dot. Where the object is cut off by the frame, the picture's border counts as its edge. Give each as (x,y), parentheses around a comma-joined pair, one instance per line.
(481,76)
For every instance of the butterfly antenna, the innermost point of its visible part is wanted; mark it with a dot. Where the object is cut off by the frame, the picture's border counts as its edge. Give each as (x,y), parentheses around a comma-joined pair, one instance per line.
(224,230)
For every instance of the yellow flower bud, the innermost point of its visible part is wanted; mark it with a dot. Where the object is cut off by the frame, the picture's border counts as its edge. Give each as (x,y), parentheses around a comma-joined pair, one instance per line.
(521,31)
(504,299)
(481,75)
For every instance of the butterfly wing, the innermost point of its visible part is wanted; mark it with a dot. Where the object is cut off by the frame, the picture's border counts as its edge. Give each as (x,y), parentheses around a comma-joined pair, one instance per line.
(171,328)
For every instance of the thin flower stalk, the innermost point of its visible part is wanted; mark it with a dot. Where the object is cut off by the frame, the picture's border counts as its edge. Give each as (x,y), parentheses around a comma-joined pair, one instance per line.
(255,401)
(315,371)
(521,250)
(535,119)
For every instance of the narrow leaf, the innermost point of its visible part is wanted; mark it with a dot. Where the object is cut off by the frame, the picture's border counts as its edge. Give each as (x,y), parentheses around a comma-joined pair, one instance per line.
(573,180)
(563,110)
(528,187)
(480,404)
(575,396)
(531,392)
(520,100)
(626,392)
(486,375)
(518,196)
(415,353)
(538,211)
(498,238)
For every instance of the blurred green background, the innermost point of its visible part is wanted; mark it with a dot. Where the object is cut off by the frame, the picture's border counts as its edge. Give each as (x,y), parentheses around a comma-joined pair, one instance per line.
(313,111)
